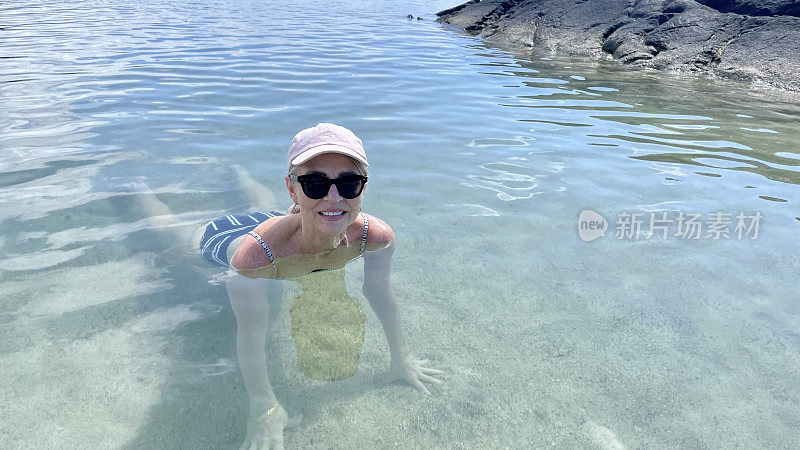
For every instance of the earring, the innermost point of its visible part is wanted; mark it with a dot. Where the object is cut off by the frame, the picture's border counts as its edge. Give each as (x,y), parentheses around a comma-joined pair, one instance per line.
(295,208)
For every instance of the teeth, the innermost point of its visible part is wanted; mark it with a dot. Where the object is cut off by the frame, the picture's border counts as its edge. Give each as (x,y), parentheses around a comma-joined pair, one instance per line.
(327,213)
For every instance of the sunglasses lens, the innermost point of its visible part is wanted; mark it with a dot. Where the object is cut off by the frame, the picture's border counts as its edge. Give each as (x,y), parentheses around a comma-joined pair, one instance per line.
(349,186)
(316,187)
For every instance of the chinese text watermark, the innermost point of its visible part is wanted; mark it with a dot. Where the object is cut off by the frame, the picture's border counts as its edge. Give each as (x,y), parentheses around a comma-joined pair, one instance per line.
(677,224)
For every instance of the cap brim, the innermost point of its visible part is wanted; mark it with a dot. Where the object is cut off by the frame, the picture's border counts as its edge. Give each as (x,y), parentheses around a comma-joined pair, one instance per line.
(316,151)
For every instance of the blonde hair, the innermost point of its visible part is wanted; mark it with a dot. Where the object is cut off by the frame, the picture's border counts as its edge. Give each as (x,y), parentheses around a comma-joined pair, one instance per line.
(361,168)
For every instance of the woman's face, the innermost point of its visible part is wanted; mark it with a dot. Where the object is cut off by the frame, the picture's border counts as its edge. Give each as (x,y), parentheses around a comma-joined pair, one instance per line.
(331,165)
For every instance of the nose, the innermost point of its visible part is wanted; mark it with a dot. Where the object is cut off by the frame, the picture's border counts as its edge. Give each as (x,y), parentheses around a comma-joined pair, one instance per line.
(333,194)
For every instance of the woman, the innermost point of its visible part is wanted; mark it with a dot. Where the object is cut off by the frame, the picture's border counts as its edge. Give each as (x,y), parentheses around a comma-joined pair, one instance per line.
(327,173)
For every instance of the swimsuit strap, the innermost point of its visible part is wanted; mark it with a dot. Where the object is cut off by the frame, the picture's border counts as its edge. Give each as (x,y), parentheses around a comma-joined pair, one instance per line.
(364,237)
(272,259)
(266,248)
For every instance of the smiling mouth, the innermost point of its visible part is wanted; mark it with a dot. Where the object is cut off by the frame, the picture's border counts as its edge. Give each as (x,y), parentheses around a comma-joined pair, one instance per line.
(331,213)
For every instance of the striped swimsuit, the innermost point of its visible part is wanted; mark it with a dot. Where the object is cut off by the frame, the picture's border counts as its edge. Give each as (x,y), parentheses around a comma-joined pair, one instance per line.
(221,232)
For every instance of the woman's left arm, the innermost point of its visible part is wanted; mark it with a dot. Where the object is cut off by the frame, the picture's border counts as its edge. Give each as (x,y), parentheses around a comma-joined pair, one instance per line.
(378,291)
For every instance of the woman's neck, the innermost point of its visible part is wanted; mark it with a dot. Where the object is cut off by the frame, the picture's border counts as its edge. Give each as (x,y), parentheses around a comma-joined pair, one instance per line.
(313,242)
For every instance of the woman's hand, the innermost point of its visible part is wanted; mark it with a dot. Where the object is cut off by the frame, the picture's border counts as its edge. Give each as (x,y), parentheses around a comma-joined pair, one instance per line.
(265,432)
(412,371)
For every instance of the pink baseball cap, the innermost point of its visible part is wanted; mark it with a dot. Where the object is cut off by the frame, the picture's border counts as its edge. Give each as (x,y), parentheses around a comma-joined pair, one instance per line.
(325,138)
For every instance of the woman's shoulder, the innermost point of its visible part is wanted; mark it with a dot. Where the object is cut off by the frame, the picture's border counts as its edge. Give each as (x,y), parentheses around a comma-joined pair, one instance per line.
(379,233)
(251,256)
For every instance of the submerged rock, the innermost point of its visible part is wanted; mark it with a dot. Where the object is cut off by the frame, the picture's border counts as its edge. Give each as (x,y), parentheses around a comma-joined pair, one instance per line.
(747,40)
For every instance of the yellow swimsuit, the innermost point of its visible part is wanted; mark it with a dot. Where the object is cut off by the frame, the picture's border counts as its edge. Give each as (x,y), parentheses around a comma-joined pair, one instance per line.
(327,323)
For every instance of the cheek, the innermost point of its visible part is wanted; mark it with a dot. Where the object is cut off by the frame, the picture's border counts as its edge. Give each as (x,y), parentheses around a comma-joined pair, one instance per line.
(354,205)
(308,203)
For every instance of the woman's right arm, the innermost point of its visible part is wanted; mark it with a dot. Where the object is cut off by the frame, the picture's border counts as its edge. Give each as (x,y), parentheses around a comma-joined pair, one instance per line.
(267,418)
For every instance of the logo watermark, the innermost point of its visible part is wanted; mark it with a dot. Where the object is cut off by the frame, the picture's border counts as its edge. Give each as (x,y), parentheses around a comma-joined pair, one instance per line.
(591,225)
(677,224)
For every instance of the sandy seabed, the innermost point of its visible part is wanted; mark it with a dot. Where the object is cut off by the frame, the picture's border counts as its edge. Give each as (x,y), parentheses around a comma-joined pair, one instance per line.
(566,348)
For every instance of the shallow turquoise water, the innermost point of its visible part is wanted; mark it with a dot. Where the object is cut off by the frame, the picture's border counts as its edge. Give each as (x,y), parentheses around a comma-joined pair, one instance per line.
(482,159)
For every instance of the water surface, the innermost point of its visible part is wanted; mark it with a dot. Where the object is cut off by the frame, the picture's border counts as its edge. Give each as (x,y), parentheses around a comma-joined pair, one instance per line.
(482,159)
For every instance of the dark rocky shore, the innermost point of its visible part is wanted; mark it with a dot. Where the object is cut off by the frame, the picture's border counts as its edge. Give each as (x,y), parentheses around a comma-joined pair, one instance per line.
(755,41)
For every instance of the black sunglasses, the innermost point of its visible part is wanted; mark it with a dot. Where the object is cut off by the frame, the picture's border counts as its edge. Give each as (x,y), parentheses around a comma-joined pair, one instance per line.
(316,186)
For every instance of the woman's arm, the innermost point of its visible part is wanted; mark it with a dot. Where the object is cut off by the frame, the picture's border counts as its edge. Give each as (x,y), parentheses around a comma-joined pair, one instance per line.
(267,418)
(378,290)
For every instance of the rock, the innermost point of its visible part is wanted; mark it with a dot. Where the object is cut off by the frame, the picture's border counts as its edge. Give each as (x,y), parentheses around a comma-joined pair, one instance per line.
(738,39)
